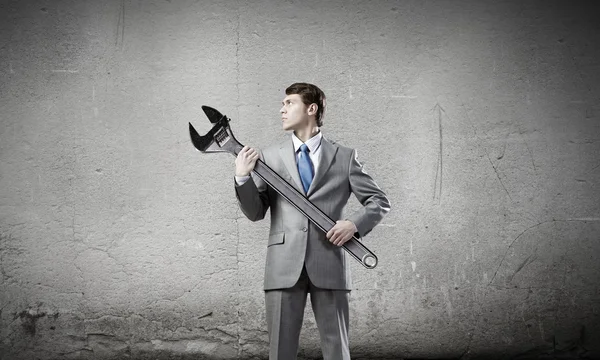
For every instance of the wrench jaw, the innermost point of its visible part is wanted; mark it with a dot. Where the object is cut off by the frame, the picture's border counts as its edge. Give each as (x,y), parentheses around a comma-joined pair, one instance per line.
(204,143)
(219,139)
(213,115)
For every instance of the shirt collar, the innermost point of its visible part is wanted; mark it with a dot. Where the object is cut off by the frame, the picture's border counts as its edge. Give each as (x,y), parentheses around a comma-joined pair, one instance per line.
(313,143)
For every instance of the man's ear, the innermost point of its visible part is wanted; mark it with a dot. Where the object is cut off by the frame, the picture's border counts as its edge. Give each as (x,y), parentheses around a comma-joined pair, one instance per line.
(312,109)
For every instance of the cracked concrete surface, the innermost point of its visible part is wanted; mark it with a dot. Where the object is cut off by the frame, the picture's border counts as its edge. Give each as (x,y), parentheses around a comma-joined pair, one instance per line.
(479,119)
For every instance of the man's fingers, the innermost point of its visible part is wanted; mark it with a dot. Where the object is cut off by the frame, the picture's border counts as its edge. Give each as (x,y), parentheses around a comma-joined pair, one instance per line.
(335,236)
(254,156)
(246,160)
(248,154)
(332,232)
(339,241)
(252,160)
(342,240)
(329,233)
(336,241)
(243,153)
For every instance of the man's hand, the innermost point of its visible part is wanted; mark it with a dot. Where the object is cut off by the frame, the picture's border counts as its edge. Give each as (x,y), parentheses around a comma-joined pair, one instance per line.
(245,161)
(341,232)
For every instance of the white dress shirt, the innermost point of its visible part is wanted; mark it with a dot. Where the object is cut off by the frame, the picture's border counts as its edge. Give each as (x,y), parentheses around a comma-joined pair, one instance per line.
(314,153)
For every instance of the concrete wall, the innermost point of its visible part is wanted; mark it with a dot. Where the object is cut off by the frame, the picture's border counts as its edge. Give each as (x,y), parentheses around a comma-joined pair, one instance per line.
(479,119)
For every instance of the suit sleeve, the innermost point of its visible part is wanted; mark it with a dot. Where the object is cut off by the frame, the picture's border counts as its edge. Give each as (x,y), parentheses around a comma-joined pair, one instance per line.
(253,197)
(375,203)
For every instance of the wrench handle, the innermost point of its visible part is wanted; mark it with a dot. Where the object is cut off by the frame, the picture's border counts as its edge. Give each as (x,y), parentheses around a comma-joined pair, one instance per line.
(353,246)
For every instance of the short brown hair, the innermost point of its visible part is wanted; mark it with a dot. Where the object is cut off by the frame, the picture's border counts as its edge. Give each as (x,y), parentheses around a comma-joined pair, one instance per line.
(310,94)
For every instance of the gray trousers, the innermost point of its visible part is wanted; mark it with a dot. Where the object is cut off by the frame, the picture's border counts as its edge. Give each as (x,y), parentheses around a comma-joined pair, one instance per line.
(285,313)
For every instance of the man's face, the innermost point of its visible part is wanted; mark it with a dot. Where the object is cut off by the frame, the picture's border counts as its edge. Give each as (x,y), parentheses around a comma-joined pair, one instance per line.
(294,113)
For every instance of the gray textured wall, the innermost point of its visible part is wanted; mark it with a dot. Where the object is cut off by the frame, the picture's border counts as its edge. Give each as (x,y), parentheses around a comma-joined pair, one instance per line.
(479,119)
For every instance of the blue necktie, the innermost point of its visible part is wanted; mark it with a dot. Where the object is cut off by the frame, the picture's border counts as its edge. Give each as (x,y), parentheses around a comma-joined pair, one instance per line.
(305,167)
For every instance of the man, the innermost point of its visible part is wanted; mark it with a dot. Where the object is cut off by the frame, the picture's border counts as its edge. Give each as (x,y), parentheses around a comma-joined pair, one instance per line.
(301,259)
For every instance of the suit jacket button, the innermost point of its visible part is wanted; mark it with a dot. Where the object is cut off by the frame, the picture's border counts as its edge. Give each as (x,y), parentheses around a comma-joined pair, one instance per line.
(304,229)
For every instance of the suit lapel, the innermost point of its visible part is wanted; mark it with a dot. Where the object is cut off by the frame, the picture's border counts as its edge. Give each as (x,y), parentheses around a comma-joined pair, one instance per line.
(286,151)
(328,151)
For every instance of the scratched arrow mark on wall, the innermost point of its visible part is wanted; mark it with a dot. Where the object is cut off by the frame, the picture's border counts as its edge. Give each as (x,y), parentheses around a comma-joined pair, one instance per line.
(437,188)
(120,36)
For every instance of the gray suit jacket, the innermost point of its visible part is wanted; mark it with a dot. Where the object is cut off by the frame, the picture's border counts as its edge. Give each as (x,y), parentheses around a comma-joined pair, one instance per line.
(293,239)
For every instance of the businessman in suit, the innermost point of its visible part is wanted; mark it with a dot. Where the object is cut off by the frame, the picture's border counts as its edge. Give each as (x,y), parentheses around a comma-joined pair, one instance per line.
(301,259)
